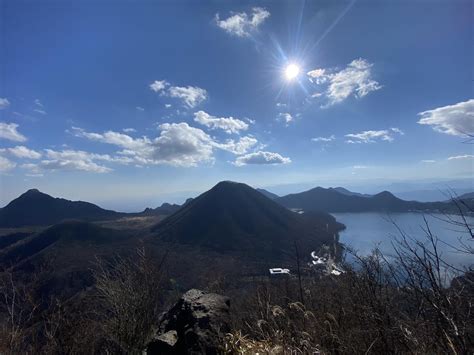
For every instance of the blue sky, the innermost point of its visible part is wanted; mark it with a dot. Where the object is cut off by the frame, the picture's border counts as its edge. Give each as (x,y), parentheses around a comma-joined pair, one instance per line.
(129,104)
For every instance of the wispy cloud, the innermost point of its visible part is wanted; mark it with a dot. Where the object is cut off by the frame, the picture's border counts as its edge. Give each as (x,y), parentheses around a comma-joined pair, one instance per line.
(228,124)
(74,160)
(4,103)
(191,96)
(22,152)
(129,130)
(10,131)
(261,158)
(139,108)
(428,161)
(243,24)
(354,80)
(42,112)
(460,157)
(38,103)
(6,165)
(456,120)
(285,117)
(324,139)
(373,136)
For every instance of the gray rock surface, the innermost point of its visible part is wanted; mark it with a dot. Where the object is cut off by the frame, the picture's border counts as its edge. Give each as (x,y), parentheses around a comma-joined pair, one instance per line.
(196,324)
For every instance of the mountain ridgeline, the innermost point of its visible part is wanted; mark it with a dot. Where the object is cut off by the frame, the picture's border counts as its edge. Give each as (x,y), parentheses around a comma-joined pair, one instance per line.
(34,208)
(334,200)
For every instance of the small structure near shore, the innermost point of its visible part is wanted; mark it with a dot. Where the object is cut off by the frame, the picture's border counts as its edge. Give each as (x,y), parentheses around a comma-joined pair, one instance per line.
(279,271)
(325,265)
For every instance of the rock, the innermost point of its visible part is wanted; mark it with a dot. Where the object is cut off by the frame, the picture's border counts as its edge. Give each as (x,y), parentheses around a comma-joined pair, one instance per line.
(196,324)
(164,343)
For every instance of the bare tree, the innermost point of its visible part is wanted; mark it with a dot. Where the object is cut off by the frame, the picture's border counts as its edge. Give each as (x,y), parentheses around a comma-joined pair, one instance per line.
(129,289)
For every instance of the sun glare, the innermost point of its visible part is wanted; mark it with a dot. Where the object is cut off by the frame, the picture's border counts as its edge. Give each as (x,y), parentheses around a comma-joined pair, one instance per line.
(291,71)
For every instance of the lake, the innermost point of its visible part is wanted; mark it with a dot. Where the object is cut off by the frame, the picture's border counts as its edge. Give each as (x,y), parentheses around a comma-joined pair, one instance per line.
(366,230)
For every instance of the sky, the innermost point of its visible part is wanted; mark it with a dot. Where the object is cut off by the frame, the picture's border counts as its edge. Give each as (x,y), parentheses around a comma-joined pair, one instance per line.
(129,104)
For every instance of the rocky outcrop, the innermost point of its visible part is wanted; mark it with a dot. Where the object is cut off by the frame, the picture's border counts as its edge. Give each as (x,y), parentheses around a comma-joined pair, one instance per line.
(195,325)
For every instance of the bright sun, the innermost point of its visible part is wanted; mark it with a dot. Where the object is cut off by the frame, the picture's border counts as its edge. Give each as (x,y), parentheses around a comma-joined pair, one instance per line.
(291,71)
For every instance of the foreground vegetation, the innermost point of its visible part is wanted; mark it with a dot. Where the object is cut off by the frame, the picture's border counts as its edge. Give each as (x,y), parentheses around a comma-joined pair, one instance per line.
(410,302)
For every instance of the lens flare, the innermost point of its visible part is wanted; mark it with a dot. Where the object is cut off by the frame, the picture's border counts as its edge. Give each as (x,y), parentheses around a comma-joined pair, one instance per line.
(291,71)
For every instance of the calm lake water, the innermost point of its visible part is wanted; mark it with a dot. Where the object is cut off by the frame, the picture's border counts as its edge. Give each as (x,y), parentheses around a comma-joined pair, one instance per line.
(366,230)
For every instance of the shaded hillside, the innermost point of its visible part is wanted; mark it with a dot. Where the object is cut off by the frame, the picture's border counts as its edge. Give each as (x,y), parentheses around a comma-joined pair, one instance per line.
(58,260)
(331,200)
(267,193)
(37,208)
(235,218)
(65,238)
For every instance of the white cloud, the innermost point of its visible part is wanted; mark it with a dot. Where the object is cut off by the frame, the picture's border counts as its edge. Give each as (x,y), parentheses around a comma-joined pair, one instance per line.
(242,146)
(38,103)
(285,117)
(459,157)
(354,80)
(456,120)
(43,112)
(228,124)
(71,160)
(9,131)
(359,167)
(373,136)
(428,161)
(22,152)
(190,95)
(115,138)
(181,145)
(139,108)
(6,165)
(397,130)
(178,144)
(129,130)
(4,103)
(260,158)
(242,24)
(158,85)
(167,105)
(318,76)
(324,139)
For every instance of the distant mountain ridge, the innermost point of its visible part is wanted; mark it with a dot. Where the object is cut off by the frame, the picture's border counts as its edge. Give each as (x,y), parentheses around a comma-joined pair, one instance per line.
(344,191)
(164,209)
(37,208)
(335,200)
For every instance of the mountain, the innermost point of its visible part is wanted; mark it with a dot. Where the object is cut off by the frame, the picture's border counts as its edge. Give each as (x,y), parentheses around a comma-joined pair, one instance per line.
(37,208)
(164,209)
(349,193)
(62,256)
(331,200)
(235,218)
(267,193)
(466,196)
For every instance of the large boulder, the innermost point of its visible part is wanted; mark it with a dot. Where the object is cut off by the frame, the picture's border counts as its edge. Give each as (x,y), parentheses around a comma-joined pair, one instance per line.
(196,324)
